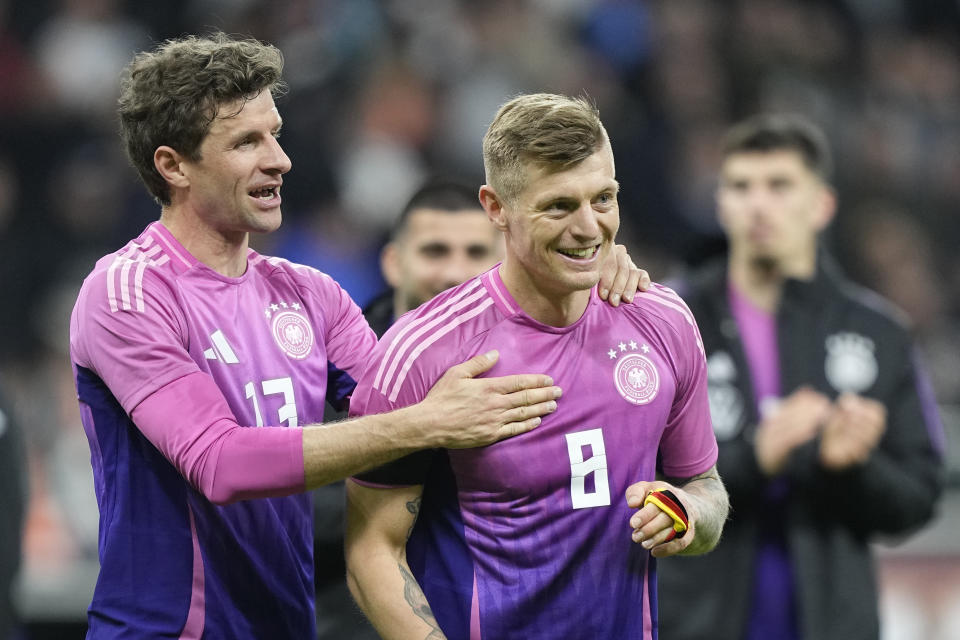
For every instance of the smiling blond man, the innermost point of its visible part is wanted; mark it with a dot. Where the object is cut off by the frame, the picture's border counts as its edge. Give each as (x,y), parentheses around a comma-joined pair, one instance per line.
(544,536)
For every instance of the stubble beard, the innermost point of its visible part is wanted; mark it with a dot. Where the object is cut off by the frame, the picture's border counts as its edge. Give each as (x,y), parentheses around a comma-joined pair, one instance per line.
(764,265)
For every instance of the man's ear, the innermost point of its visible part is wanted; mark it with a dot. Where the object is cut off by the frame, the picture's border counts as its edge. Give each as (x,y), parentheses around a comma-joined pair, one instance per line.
(168,162)
(494,207)
(826,209)
(390,264)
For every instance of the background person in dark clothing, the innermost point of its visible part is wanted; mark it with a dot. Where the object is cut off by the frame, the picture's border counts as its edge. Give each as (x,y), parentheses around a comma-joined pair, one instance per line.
(441,239)
(827,429)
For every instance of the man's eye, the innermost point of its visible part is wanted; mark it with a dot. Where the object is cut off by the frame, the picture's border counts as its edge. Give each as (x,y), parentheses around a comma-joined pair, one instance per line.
(434,251)
(478,252)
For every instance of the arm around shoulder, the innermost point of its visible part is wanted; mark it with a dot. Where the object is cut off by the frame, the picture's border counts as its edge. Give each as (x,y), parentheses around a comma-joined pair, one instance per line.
(459,411)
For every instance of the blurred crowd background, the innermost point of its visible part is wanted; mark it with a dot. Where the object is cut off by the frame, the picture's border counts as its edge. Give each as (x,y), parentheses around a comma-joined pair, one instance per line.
(384,93)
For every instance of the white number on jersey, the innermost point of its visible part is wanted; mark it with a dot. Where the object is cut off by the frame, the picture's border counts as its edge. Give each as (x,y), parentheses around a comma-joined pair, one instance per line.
(279,386)
(580,469)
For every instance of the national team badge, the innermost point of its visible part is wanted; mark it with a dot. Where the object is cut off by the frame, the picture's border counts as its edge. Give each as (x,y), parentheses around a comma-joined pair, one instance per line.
(635,375)
(726,402)
(290,329)
(851,364)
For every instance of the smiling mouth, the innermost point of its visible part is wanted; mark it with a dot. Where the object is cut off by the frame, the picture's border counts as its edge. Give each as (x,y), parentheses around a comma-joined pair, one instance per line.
(580,254)
(267,193)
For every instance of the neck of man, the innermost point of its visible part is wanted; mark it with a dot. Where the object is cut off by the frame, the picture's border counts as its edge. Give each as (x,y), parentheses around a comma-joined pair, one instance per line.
(551,307)
(402,303)
(224,252)
(760,278)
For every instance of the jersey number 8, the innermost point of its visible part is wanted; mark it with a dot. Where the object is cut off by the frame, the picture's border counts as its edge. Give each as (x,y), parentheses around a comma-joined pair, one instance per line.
(580,468)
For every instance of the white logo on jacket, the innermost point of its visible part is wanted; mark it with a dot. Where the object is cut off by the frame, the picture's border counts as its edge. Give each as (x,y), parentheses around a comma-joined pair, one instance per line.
(726,401)
(851,364)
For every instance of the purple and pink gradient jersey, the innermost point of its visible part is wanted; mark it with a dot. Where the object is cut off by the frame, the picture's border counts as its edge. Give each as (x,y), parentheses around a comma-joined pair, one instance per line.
(276,341)
(541,545)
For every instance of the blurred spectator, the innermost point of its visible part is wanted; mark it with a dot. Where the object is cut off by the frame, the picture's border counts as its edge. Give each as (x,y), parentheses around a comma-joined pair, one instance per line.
(394,119)
(13,498)
(82,49)
(20,89)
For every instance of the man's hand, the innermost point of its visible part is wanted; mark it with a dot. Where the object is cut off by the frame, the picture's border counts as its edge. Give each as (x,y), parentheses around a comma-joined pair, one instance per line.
(652,527)
(852,432)
(464,411)
(621,278)
(794,422)
(703,498)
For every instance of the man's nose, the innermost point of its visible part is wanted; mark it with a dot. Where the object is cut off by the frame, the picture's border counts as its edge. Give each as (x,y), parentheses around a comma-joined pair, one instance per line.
(459,269)
(759,199)
(584,223)
(277,160)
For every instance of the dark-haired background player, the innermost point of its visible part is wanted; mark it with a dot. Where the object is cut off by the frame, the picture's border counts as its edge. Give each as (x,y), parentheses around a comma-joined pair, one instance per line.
(828,431)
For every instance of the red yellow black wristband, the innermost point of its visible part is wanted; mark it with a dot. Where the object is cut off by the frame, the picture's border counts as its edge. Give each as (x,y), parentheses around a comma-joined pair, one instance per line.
(667,502)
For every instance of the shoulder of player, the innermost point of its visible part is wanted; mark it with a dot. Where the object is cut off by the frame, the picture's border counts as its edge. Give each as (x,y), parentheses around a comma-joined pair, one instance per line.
(434,336)
(451,318)
(132,288)
(125,279)
(306,280)
(276,267)
(662,302)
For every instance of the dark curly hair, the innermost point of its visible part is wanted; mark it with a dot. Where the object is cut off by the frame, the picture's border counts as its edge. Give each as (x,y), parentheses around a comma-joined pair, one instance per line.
(171,95)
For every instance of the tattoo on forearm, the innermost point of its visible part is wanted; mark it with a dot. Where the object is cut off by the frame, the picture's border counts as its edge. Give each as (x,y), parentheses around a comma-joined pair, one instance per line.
(714,506)
(414,508)
(414,596)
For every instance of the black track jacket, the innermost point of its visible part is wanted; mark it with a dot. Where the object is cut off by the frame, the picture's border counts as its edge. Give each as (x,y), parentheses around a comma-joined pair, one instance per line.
(833,336)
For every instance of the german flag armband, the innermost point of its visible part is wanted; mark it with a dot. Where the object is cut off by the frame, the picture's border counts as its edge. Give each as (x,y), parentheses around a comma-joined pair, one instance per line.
(670,505)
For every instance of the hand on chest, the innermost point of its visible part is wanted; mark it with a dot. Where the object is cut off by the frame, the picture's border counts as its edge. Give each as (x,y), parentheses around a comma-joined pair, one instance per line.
(617,397)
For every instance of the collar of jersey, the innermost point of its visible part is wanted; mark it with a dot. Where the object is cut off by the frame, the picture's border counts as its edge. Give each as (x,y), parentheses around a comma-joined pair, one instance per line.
(506,303)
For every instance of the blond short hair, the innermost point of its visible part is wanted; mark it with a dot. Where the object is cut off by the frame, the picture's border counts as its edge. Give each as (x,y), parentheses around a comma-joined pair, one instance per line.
(549,131)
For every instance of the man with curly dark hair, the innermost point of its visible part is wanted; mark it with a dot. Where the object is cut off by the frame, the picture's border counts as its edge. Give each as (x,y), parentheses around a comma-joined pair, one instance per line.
(186,338)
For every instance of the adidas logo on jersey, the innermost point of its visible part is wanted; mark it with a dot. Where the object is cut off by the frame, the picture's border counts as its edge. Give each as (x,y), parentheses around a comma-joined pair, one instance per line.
(221,349)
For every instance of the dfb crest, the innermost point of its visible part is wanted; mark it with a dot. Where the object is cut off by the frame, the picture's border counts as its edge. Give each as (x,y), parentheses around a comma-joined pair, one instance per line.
(635,375)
